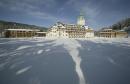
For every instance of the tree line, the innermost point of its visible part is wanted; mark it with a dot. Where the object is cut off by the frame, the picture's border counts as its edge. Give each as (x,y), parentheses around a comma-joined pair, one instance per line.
(13,25)
(121,25)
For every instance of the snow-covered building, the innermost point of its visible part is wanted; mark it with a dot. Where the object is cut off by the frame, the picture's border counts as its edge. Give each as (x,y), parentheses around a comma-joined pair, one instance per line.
(109,33)
(60,30)
(79,30)
(57,30)
(89,33)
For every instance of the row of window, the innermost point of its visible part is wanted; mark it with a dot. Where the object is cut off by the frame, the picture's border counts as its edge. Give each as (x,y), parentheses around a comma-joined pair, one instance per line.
(76,36)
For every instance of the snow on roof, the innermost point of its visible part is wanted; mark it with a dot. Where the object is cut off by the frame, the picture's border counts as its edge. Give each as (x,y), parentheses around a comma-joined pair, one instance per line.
(23,29)
(107,29)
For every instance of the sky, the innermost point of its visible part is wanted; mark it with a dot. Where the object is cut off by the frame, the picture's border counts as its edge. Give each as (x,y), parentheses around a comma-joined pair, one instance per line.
(98,13)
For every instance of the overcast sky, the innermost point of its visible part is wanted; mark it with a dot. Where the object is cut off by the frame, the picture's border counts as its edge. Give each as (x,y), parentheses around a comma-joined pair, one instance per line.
(98,13)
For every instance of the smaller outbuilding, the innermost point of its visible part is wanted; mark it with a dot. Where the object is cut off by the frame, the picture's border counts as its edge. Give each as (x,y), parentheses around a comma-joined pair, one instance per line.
(20,33)
(109,33)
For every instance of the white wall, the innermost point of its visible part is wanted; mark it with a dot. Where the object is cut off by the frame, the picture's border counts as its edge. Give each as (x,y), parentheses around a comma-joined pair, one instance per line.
(89,34)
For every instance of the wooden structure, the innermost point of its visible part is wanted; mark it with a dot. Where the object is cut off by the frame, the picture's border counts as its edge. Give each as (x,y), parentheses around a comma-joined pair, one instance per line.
(109,33)
(18,33)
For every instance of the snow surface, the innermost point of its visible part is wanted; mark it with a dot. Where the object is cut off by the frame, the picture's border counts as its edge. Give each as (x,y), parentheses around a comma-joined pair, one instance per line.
(40,51)
(65,61)
(23,47)
(23,70)
(72,47)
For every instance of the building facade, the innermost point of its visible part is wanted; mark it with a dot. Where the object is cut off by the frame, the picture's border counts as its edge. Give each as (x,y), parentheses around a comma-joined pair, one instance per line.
(57,30)
(109,33)
(20,33)
(41,34)
(60,30)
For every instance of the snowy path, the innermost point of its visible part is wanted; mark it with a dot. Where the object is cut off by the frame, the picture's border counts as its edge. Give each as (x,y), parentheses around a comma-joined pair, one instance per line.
(65,61)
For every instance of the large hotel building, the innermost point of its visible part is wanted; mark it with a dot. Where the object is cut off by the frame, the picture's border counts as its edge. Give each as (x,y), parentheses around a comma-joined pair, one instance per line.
(79,30)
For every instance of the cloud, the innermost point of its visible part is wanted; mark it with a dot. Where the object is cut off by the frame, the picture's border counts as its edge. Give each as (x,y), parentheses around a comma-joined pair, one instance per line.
(45,3)
(96,12)
(87,7)
(40,9)
(30,7)
(66,4)
(1,4)
(42,15)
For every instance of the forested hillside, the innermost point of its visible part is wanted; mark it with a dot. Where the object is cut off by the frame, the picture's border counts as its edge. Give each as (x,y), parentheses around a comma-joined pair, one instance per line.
(121,25)
(15,25)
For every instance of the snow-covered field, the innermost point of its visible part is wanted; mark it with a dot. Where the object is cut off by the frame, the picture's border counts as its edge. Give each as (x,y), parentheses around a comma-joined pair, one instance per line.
(65,61)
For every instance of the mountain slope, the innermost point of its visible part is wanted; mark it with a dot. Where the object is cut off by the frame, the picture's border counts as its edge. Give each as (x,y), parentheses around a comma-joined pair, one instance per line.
(15,25)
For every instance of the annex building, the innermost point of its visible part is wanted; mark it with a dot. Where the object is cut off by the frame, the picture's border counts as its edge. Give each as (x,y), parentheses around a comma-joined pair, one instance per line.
(21,33)
(109,33)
